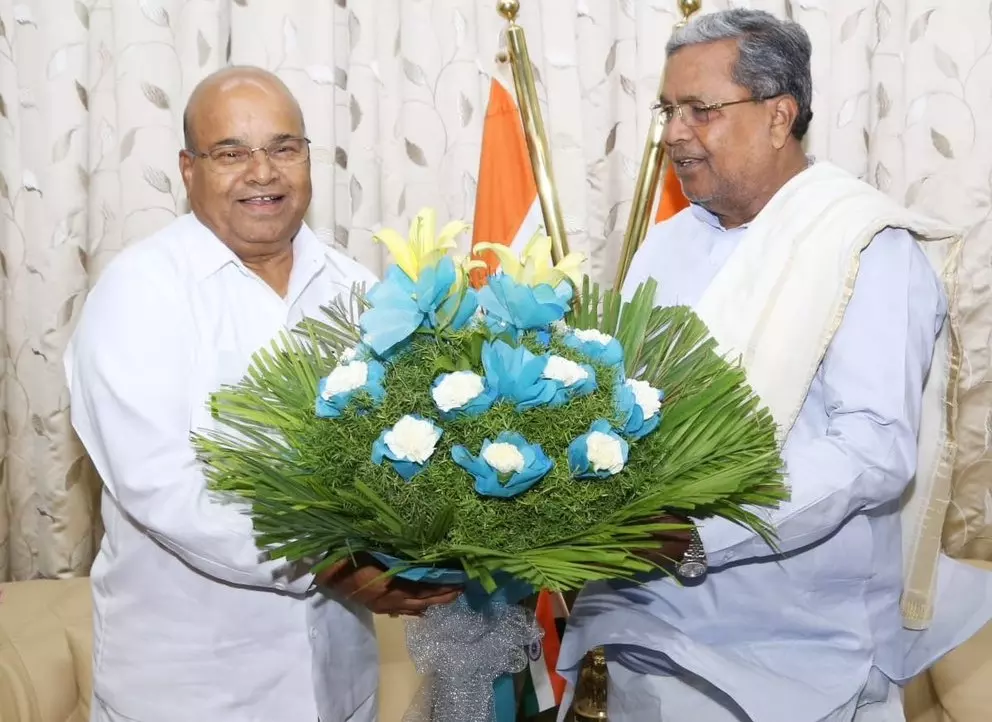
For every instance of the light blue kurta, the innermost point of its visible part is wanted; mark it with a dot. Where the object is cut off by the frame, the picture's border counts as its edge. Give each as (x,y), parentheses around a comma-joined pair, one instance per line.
(795,637)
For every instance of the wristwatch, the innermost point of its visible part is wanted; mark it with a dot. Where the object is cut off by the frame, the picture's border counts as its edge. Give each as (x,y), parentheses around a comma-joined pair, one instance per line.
(693,564)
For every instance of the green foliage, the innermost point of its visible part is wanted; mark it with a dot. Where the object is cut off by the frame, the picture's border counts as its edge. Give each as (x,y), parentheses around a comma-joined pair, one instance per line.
(315,492)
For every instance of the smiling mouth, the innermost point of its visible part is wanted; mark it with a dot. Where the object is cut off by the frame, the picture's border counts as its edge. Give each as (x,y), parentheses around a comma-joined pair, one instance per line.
(686,163)
(268,200)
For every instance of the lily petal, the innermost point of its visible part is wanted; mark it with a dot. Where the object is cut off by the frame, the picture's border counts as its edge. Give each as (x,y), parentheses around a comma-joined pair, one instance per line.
(508,261)
(448,234)
(570,267)
(422,231)
(399,248)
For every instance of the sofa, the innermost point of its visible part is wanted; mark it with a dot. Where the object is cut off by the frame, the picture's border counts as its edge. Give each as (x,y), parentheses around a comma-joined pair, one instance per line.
(45,669)
(45,661)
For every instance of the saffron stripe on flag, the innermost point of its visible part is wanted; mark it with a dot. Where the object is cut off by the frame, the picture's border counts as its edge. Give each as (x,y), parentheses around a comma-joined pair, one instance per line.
(672,198)
(507,208)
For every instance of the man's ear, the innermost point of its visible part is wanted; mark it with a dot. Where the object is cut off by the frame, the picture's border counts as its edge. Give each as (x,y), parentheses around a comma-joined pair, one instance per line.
(784,111)
(186,168)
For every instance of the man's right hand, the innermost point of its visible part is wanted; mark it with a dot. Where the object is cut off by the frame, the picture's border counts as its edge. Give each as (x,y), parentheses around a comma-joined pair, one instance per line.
(364,581)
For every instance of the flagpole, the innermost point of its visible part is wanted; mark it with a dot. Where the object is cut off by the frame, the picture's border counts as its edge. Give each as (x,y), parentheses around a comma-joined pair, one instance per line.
(653,166)
(537,142)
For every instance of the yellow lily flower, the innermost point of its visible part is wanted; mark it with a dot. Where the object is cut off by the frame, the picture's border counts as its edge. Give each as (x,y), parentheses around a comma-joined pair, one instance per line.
(422,249)
(534,266)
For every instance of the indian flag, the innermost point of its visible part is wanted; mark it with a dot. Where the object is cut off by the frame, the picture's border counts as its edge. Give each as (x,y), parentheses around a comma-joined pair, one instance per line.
(507,209)
(544,687)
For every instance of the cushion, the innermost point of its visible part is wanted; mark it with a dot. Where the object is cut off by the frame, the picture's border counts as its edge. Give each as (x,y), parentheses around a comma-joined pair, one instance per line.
(80,641)
(962,679)
(37,672)
(398,680)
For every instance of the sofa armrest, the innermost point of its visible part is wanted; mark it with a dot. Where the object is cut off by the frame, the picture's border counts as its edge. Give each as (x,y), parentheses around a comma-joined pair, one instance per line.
(958,688)
(921,702)
(38,680)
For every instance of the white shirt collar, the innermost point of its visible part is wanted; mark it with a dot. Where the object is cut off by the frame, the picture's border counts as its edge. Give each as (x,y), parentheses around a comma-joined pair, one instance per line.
(208,254)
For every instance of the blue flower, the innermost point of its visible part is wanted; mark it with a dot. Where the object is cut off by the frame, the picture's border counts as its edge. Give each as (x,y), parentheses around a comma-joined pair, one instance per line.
(639,406)
(400,306)
(462,393)
(515,374)
(407,446)
(505,468)
(571,379)
(521,307)
(597,454)
(596,346)
(336,390)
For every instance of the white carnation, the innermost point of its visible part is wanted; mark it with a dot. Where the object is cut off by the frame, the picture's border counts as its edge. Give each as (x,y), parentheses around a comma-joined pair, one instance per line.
(346,377)
(646,396)
(604,452)
(567,372)
(591,334)
(348,355)
(505,458)
(457,389)
(412,439)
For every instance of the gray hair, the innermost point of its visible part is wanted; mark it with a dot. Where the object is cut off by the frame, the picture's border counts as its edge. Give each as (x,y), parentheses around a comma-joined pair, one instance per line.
(773,57)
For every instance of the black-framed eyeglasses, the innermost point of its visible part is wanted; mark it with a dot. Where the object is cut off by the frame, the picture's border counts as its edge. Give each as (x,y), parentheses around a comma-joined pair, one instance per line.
(282,153)
(695,113)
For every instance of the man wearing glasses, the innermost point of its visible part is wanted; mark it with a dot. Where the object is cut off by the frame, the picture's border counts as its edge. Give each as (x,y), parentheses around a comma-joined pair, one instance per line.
(190,622)
(826,292)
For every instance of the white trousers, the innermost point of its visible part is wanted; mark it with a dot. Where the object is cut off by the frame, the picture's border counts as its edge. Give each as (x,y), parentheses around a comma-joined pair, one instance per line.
(635,697)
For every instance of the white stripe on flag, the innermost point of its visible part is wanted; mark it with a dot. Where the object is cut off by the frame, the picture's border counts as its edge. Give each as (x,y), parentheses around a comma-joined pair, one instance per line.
(541,678)
(533,221)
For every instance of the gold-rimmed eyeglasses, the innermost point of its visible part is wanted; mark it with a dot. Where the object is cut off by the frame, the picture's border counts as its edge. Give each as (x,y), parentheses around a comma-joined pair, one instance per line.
(695,113)
(282,153)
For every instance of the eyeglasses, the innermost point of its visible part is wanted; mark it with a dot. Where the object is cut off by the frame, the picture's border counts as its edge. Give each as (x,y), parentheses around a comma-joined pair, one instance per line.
(233,158)
(695,114)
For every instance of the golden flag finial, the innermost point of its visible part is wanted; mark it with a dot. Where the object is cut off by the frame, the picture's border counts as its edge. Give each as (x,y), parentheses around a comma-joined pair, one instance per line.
(689,7)
(508,9)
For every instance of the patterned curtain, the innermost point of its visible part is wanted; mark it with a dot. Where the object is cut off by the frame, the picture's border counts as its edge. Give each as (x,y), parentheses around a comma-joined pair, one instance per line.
(91,98)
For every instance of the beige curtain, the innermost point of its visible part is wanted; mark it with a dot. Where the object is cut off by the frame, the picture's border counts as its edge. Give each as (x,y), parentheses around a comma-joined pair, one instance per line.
(91,96)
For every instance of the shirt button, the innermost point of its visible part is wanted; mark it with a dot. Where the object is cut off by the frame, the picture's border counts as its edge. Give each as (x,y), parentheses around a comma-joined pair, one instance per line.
(313,633)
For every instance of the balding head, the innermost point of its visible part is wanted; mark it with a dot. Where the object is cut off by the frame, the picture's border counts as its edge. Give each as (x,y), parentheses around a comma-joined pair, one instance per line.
(246,163)
(224,80)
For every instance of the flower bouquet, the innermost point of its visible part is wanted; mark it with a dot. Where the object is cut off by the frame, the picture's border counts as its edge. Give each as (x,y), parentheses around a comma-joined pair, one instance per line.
(521,436)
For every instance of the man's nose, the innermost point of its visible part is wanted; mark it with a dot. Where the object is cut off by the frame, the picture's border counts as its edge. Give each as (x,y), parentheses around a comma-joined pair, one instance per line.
(260,168)
(676,131)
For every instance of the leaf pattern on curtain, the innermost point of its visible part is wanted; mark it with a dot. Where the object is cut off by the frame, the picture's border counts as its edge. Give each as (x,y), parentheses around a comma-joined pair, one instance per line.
(394,92)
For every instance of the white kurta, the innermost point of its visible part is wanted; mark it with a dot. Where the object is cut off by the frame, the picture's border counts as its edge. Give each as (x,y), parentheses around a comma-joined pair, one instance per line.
(190,624)
(809,634)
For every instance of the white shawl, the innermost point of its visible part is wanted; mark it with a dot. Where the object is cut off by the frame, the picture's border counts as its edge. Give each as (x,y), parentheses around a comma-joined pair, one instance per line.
(780,298)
